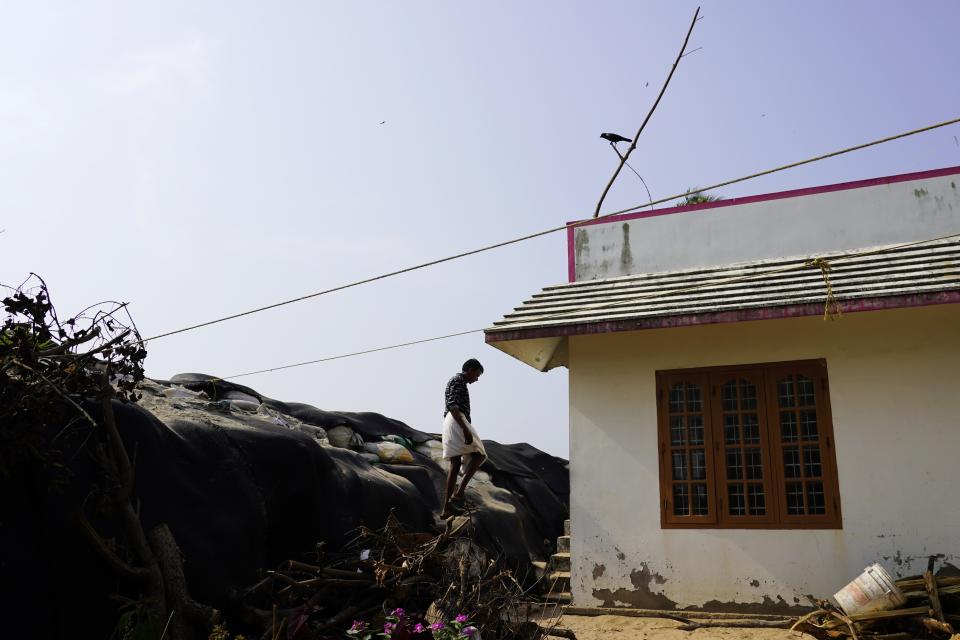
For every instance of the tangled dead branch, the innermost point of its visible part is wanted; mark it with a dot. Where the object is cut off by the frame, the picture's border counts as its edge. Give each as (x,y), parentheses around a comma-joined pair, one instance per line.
(59,381)
(430,578)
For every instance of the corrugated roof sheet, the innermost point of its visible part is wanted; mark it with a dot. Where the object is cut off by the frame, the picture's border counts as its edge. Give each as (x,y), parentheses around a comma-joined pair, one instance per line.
(876,272)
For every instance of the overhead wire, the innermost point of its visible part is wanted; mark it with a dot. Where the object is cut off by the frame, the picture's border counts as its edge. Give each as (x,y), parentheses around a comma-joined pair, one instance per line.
(551,230)
(814,262)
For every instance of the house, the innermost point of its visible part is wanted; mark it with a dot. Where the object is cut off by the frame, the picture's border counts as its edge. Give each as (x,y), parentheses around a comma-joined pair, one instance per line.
(764,392)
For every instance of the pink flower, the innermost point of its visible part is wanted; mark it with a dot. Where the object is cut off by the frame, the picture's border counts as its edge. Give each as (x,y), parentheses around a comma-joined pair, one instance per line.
(462,617)
(436,626)
(419,628)
(468,631)
(398,612)
(389,627)
(358,625)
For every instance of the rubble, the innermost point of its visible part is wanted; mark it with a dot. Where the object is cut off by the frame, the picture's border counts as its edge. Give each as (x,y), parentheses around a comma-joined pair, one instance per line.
(931,610)
(408,583)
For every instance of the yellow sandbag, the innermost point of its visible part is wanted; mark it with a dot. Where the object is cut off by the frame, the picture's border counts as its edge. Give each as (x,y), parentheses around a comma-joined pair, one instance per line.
(390,452)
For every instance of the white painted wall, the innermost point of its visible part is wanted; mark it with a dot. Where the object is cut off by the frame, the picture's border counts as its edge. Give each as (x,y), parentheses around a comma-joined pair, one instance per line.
(894,378)
(802,225)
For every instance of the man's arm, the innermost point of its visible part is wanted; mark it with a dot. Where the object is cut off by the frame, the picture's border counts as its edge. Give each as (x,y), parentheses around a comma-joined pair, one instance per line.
(467,436)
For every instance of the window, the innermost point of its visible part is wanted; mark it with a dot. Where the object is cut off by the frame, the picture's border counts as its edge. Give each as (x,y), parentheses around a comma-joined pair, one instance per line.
(747,447)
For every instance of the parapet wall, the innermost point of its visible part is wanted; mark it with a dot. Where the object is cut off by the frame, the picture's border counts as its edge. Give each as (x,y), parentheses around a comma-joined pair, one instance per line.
(853,215)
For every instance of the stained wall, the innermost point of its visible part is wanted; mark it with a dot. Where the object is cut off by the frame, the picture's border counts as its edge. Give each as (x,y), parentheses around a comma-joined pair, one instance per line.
(894,379)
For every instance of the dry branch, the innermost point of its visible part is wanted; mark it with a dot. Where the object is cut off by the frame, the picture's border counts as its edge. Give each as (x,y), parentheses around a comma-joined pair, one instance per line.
(633,144)
(692,625)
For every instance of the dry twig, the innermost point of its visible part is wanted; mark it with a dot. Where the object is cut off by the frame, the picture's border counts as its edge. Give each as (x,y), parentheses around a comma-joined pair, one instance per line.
(633,144)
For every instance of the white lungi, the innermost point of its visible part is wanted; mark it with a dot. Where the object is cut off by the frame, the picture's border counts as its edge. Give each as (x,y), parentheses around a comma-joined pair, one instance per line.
(454,444)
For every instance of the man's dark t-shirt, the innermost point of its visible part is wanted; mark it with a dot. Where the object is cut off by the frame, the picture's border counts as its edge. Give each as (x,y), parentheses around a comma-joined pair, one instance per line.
(457,396)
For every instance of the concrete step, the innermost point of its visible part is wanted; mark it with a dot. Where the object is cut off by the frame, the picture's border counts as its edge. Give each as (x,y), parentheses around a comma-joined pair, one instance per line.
(563,544)
(540,568)
(560,562)
(558,582)
(566,527)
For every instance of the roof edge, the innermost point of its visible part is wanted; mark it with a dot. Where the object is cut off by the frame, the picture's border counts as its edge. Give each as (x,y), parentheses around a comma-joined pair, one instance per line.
(721,317)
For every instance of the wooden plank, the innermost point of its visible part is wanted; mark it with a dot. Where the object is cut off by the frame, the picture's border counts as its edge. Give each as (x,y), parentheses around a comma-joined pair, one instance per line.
(930,583)
(894,613)
(912,583)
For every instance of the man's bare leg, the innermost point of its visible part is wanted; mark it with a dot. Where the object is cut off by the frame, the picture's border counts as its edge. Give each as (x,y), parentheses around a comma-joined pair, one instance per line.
(475,461)
(451,483)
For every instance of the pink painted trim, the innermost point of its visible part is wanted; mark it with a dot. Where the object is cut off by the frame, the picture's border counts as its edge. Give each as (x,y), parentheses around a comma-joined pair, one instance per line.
(719,317)
(778,195)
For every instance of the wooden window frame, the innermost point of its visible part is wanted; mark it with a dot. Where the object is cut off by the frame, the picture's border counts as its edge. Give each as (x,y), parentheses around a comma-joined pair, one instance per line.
(765,376)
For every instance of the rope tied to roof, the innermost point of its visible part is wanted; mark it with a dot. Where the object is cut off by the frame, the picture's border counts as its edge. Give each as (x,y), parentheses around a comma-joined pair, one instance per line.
(831,302)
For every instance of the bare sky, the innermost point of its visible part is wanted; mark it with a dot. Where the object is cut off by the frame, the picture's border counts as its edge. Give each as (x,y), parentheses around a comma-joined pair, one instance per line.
(197,159)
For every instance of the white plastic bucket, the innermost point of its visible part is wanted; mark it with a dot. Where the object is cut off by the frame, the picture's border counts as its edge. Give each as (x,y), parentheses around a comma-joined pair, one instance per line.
(872,590)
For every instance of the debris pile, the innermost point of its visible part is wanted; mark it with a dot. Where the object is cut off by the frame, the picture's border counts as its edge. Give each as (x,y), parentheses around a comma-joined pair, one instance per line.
(411,585)
(929,608)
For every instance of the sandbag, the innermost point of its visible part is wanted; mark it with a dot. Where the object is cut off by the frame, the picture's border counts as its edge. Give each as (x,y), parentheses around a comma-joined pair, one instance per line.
(234,394)
(244,405)
(317,432)
(340,436)
(179,392)
(399,440)
(390,452)
(433,449)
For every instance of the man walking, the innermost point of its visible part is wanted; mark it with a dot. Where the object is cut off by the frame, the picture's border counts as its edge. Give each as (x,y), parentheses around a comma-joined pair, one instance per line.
(461,444)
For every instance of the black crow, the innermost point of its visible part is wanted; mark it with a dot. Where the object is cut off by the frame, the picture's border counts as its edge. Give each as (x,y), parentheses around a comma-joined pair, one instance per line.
(614,137)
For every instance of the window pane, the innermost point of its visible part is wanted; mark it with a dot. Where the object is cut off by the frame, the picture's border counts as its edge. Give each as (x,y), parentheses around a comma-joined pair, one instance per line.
(811,462)
(751,428)
(756,500)
(816,504)
(700,500)
(681,500)
(738,503)
(729,395)
(694,402)
(808,425)
(795,498)
(678,431)
(748,395)
(676,398)
(805,391)
(696,429)
(754,465)
(791,463)
(731,429)
(788,426)
(698,464)
(785,396)
(734,464)
(679,465)
(764,432)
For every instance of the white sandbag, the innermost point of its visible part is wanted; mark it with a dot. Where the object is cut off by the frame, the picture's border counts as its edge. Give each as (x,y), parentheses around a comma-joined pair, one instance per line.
(340,436)
(179,392)
(244,405)
(433,449)
(317,432)
(481,476)
(233,394)
(390,452)
(433,444)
